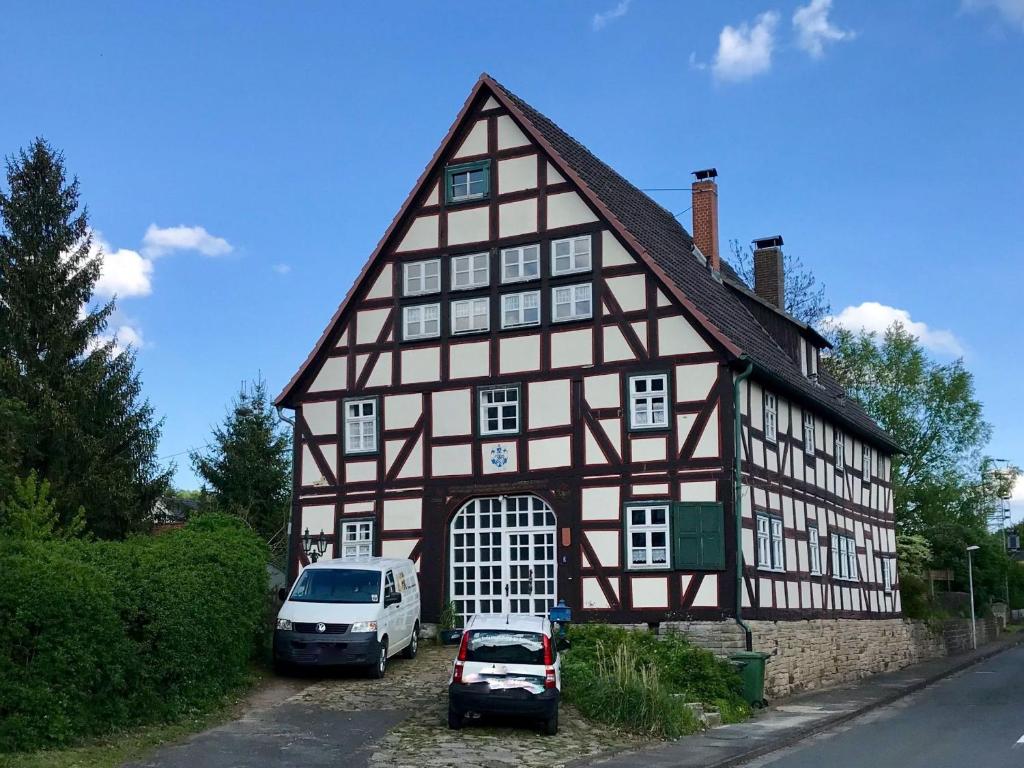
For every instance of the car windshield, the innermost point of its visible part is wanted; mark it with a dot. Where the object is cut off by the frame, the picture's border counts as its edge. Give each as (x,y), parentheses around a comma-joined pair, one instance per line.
(505,646)
(337,585)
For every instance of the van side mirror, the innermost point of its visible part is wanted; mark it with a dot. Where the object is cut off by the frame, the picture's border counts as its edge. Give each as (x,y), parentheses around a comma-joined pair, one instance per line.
(392,597)
(282,594)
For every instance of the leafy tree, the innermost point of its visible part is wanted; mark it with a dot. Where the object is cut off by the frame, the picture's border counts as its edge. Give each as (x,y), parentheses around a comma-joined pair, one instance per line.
(79,416)
(248,464)
(804,296)
(30,513)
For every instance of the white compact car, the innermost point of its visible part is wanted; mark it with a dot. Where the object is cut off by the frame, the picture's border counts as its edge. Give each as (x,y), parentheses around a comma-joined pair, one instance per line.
(507,664)
(350,611)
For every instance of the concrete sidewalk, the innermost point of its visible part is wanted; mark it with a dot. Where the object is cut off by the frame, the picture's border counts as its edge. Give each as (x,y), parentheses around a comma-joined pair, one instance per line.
(798,717)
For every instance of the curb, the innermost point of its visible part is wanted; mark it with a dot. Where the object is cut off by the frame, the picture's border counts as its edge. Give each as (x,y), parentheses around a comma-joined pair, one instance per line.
(831,722)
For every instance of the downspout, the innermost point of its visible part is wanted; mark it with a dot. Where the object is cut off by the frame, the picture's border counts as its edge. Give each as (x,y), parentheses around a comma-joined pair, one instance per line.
(737,499)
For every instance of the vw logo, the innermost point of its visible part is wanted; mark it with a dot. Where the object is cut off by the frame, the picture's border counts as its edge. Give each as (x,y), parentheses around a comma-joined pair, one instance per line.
(321,627)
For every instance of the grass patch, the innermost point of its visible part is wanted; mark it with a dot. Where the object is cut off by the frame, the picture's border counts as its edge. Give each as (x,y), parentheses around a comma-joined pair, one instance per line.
(640,682)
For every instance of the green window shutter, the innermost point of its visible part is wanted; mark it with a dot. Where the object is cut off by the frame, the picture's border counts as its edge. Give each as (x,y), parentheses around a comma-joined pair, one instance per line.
(698,536)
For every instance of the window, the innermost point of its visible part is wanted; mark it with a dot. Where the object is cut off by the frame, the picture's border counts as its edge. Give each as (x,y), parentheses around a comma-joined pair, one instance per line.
(571,302)
(814,547)
(468,181)
(499,410)
(570,255)
(470,271)
(422,277)
(471,315)
(769,543)
(389,584)
(865,458)
(521,263)
(771,417)
(840,446)
(421,322)
(844,557)
(648,401)
(886,575)
(647,534)
(361,426)
(357,538)
(518,309)
(809,432)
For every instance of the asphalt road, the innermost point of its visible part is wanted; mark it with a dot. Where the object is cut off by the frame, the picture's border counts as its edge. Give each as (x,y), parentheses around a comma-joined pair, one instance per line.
(972,720)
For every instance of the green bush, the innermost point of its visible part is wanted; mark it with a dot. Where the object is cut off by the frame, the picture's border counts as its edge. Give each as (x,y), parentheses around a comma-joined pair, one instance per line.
(98,635)
(641,682)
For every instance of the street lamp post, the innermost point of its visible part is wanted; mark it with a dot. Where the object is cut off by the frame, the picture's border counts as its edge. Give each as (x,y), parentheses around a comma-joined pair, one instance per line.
(970,582)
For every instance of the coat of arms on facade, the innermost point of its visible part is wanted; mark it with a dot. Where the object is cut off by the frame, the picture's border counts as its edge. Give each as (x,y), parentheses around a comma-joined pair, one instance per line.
(499,456)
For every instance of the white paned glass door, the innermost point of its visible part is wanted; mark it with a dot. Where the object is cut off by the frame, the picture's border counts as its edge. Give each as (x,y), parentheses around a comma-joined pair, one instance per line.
(503,556)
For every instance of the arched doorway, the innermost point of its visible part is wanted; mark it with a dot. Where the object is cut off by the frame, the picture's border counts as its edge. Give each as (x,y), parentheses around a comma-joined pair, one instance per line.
(502,556)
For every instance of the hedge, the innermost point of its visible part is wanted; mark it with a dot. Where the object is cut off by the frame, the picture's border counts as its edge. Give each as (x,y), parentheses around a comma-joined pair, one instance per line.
(100,635)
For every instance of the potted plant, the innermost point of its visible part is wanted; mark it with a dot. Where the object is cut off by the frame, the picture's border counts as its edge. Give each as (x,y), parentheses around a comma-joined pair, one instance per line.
(449,624)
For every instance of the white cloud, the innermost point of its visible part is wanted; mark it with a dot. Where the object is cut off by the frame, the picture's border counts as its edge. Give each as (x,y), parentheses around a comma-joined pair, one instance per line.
(159,241)
(876,318)
(1011,10)
(282,269)
(814,30)
(700,66)
(124,272)
(601,20)
(746,51)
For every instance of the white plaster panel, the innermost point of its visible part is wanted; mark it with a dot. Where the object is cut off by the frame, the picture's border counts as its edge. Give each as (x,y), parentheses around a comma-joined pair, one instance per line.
(554,177)
(433,196)
(516,174)
(764,598)
(677,337)
(648,449)
(694,382)
(475,142)
(519,353)
(748,547)
(602,391)
(707,592)
(613,430)
(333,374)
(549,403)
(707,446)
(322,418)
(592,451)
(311,474)
(780,594)
(391,450)
(468,225)
(491,103)
(380,376)
(792,597)
(651,489)
(615,345)
(662,299)
(509,135)
(612,252)
(600,503)
(469,360)
(422,234)
(402,411)
(402,514)
(650,591)
(318,518)
(550,452)
(423,364)
(383,285)
(593,595)
(698,490)
(414,463)
(360,471)
(451,460)
(567,209)
(684,423)
(640,329)
(571,348)
(399,549)
(517,218)
(629,290)
(606,547)
(359,506)
(452,413)
(368,324)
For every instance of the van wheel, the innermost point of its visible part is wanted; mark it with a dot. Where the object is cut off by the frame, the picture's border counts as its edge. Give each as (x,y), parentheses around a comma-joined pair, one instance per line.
(381,666)
(454,718)
(551,724)
(414,643)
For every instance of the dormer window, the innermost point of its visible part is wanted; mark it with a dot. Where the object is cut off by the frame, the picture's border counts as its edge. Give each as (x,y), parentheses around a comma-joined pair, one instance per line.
(469,181)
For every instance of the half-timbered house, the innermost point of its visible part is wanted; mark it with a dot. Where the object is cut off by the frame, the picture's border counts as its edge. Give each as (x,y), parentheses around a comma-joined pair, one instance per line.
(539,388)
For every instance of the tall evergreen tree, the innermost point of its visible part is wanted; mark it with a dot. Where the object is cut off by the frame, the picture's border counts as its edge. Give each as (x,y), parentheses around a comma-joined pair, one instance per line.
(78,416)
(247,466)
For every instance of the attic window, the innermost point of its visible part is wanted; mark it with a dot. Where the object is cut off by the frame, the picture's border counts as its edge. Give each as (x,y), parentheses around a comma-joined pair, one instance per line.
(469,181)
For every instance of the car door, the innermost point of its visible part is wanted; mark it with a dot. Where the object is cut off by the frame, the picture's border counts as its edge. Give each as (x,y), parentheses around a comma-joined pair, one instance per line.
(392,615)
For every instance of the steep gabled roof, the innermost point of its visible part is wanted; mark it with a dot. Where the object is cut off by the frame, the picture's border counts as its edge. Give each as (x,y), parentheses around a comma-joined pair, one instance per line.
(665,246)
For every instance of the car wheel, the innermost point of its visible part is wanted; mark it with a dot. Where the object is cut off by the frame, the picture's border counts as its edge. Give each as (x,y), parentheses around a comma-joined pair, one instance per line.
(551,724)
(381,666)
(414,643)
(454,718)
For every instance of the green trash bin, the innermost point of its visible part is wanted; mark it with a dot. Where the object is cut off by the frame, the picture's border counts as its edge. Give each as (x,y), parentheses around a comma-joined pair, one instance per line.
(751,666)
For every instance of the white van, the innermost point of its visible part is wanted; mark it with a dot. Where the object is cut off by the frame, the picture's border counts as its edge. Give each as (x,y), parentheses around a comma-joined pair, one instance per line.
(358,611)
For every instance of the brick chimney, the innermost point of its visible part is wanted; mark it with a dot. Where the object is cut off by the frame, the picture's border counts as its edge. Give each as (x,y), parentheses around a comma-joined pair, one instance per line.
(705,215)
(769,279)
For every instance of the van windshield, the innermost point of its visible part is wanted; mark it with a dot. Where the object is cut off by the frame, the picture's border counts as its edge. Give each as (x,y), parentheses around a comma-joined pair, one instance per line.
(503,646)
(337,585)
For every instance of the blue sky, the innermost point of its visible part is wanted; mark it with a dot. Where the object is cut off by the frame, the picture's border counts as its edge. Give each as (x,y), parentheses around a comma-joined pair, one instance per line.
(240,161)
